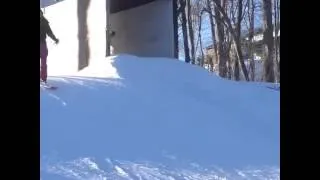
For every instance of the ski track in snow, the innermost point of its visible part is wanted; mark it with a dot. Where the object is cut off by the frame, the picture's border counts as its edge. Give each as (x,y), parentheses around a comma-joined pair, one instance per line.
(87,168)
(86,82)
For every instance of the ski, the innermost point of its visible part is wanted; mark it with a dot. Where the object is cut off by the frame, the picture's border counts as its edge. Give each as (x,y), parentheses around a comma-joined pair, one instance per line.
(48,86)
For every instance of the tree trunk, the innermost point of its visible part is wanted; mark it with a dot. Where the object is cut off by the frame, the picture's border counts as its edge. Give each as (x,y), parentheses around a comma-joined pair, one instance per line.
(268,41)
(191,32)
(200,39)
(276,30)
(229,61)
(251,34)
(176,28)
(222,58)
(238,37)
(184,29)
(213,34)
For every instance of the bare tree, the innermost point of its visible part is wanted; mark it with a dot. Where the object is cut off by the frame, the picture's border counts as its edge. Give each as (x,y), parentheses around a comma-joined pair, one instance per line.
(212,25)
(176,28)
(224,20)
(197,12)
(208,8)
(191,31)
(225,23)
(251,19)
(237,13)
(182,12)
(276,22)
(268,41)
(200,38)
(220,34)
(238,39)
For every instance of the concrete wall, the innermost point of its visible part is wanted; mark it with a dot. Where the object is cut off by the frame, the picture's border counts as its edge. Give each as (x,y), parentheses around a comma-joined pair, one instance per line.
(144,31)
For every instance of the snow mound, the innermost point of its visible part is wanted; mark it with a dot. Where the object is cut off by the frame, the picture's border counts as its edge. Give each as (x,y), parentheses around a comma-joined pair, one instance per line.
(127,117)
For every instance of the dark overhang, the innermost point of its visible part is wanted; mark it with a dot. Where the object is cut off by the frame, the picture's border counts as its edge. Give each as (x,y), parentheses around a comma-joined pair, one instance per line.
(121,5)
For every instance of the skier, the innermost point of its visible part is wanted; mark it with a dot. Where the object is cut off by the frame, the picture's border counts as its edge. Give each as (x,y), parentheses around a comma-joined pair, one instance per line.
(45,30)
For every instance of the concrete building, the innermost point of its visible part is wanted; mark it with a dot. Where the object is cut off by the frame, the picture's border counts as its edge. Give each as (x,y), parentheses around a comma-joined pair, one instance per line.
(140,27)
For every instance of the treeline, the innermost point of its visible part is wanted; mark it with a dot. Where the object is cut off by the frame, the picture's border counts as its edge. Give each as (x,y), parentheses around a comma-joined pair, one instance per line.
(238,39)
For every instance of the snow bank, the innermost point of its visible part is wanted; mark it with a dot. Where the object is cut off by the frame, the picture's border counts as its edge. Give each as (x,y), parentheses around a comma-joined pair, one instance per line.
(127,117)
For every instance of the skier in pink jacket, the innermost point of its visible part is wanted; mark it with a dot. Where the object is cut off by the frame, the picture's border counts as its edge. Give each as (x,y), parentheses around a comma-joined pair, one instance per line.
(45,30)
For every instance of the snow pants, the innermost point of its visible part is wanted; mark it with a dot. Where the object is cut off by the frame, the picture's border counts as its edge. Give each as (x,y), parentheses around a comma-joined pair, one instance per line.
(43,61)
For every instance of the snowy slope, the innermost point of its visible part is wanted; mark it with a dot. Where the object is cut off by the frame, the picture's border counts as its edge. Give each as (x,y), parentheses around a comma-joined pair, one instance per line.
(138,118)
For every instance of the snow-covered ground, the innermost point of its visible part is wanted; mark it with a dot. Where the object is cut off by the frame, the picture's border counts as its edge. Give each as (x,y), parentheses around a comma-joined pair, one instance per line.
(127,117)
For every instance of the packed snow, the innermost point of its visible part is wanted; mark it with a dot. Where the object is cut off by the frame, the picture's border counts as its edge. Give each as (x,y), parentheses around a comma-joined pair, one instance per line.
(127,117)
